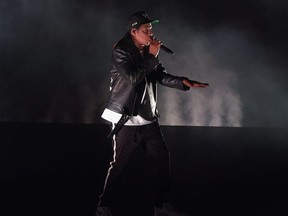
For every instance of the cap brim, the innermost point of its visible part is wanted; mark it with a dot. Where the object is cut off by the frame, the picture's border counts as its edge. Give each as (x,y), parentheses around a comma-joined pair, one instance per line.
(155,21)
(151,21)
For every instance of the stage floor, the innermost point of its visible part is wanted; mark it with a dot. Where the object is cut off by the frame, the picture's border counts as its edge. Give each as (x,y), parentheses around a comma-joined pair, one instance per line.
(59,169)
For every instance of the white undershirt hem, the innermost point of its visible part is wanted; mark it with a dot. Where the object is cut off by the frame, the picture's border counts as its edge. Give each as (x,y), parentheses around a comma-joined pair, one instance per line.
(114,117)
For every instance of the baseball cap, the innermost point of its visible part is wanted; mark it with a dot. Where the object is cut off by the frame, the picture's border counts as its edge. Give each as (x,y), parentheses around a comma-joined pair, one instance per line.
(139,18)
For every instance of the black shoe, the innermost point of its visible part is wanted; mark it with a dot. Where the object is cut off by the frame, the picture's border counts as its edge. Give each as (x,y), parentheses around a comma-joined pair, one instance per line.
(103,211)
(168,210)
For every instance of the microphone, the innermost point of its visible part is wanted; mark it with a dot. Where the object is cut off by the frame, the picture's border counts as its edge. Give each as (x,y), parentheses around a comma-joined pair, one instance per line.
(164,48)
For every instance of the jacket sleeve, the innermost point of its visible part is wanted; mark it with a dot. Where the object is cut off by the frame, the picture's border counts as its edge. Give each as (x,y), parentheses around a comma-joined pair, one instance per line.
(129,69)
(169,80)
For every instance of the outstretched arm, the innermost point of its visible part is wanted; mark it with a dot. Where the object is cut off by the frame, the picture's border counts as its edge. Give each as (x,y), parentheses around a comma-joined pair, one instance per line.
(194,84)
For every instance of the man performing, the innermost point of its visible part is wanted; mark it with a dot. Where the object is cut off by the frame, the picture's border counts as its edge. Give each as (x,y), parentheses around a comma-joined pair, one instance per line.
(131,107)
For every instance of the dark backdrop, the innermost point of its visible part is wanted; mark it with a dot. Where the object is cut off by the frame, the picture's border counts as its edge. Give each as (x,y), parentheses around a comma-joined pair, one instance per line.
(54,68)
(55,59)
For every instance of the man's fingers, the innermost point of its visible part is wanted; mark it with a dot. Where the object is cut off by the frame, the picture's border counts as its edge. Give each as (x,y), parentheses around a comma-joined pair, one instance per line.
(195,84)
(201,85)
(156,41)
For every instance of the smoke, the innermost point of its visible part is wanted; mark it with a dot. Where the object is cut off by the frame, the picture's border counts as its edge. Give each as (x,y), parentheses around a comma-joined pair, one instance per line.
(238,69)
(55,56)
(55,60)
(199,56)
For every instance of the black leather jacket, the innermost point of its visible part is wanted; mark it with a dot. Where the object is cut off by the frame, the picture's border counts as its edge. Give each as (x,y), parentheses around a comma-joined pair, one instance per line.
(128,73)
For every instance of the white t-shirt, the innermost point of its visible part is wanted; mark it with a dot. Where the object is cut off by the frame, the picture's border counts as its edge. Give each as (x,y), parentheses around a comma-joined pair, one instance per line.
(114,117)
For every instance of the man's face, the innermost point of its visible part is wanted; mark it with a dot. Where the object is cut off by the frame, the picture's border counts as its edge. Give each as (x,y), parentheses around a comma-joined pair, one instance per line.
(143,34)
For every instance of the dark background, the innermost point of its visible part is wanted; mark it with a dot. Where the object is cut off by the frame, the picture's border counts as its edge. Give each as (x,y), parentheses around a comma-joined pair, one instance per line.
(54,80)
(55,60)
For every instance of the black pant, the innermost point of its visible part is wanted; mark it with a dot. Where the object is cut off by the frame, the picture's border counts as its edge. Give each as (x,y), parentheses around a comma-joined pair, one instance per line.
(150,137)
